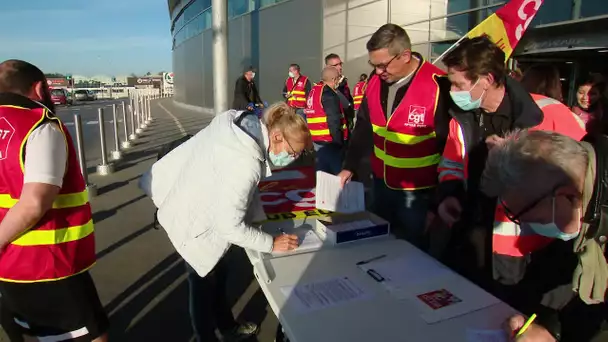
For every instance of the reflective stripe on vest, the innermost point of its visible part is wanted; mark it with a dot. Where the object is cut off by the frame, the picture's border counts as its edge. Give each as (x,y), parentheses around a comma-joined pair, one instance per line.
(405,146)
(544,101)
(453,164)
(358,94)
(54,236)
(62,243)
(62,201)
(317,118)
(297,92)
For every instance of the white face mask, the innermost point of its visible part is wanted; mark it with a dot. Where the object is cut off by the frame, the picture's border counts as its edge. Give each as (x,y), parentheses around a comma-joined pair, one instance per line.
(551,229)
(291,74)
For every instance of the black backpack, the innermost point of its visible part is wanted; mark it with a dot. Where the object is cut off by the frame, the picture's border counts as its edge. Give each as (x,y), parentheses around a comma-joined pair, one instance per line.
(163,151)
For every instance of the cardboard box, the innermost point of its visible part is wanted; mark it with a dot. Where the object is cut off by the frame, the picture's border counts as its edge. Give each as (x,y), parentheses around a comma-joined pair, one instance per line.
(342,229)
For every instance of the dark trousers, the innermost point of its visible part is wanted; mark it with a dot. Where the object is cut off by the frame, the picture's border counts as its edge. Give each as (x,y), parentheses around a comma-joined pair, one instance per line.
(405,210)
(329,158)
(209,309)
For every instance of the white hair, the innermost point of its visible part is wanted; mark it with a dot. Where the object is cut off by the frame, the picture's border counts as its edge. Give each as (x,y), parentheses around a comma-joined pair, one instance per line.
(528,160)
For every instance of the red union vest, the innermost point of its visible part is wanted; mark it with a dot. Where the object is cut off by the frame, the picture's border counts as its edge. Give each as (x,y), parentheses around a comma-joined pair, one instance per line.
(317,118)
(358,94)
(297,92)
(405,148)
(62,243)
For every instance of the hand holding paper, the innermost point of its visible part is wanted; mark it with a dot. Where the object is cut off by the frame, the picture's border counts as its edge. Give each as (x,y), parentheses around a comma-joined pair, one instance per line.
(330,195)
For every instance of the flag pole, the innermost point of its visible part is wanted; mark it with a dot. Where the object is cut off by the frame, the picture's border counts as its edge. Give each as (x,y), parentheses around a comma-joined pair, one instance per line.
(455,45)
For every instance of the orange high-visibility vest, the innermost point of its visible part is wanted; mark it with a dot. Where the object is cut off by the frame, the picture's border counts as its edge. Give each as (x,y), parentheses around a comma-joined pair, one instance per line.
(508,238)
(62,243)
(317,118)
(358,94)
(297,92)
(405,146)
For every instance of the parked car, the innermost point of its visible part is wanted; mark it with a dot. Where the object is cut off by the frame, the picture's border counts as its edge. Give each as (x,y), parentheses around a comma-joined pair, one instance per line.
(60,96)
(84,95)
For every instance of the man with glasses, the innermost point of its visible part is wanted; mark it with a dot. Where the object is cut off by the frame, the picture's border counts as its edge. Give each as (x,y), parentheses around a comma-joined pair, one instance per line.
(488,105)
(402,124)
(555,190)
(327,123)
(346,98)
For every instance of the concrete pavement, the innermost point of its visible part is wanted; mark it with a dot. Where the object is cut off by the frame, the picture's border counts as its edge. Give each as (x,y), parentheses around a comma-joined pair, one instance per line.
(140,278)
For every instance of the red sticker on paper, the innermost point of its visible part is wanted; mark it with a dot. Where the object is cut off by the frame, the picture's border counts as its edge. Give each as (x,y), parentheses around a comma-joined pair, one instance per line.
(439,299)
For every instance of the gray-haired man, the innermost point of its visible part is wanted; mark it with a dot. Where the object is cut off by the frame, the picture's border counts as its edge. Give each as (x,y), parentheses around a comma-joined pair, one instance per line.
(553,187)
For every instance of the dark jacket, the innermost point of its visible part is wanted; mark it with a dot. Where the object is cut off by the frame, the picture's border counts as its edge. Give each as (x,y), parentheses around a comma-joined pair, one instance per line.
(518,110)
(331,106)
(245,92)
(361,141)
(347,101)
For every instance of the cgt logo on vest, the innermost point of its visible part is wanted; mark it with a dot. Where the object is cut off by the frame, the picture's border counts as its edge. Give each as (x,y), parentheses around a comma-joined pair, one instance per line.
(6,134)
(416,116)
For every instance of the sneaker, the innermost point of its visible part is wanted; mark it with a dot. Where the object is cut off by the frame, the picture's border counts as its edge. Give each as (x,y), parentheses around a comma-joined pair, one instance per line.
(242,332)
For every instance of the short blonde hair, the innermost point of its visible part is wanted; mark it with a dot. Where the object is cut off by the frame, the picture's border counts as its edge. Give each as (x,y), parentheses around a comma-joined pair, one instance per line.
(280,116)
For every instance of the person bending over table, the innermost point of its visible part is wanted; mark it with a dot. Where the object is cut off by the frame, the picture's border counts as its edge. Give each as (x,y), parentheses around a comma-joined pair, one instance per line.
(214,199)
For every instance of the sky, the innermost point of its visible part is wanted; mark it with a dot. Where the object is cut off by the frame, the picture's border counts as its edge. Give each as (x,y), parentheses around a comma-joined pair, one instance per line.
(87,37)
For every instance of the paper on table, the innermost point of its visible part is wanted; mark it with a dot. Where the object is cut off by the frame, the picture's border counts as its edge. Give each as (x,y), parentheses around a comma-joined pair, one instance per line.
(405,271)
(307,239)
(323,294)
(447,297)
(329,194)
(486,336)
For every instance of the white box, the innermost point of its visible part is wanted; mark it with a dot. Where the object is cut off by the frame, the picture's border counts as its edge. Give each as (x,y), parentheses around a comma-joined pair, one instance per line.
(342,229)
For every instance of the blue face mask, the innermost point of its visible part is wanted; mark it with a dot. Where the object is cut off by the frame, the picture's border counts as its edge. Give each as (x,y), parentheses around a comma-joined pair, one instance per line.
(464,100)
(282,159)
(550,229)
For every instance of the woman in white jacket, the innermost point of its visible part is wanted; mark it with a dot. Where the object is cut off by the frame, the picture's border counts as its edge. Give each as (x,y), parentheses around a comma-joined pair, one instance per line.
(207,194)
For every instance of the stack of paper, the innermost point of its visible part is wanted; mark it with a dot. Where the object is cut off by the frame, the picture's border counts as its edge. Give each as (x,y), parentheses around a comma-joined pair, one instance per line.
(330,195)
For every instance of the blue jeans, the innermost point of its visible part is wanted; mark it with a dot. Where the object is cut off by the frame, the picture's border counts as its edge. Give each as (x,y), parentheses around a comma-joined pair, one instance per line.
(208,305)
(329,158)
(405,210)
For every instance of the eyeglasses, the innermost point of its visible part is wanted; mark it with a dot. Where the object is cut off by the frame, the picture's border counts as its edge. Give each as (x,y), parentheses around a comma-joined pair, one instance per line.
(515,218)
(383,66)
(293,152)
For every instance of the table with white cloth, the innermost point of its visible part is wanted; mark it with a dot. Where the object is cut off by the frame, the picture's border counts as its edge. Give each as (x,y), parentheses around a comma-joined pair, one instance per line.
(380,315)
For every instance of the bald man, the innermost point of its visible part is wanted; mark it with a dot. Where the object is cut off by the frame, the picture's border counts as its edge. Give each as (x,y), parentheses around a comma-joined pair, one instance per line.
(326,122)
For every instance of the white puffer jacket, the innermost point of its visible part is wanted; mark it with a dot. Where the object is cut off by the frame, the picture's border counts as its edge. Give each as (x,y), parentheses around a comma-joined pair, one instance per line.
(207,191)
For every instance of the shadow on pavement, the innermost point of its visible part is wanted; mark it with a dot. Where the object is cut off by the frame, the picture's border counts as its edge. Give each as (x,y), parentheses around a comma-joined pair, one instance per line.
(124,241)
(104,214)
(115,185)
(155,307)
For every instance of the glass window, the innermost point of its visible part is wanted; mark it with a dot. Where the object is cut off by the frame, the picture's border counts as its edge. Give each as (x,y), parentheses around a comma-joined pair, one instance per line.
(264,3)
(238,7)
(554,11)
(591,8)
(439,48)
(192,10)
(460,5)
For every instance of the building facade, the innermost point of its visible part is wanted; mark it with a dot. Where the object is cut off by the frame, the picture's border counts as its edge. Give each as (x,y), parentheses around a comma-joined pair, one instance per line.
(271,34)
